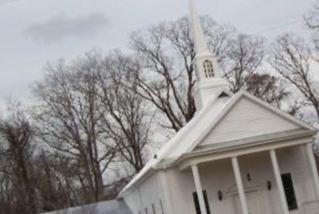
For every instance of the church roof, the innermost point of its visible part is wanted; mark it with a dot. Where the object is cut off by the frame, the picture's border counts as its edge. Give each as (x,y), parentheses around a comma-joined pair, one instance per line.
(193,133)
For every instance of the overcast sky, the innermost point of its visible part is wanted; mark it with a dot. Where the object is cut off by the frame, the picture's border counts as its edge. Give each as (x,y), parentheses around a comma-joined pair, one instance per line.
(36,31)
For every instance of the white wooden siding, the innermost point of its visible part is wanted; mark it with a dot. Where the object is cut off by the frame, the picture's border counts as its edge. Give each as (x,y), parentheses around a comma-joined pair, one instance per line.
(247,119)
(146,194)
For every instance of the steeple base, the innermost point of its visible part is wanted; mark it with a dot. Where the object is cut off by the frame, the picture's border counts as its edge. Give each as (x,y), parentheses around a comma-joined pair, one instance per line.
(205,91)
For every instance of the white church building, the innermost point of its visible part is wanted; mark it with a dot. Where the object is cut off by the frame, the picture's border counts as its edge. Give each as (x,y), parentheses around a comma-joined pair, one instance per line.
(237,155)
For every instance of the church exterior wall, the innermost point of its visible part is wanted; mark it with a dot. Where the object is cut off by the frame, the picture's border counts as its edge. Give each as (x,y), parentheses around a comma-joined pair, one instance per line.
(218,176)
(181,186)
(295,160)
(148,195)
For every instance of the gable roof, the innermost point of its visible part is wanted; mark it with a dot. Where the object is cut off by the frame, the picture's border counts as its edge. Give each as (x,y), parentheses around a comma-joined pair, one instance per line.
(250,117)
(209,117)
(202,124)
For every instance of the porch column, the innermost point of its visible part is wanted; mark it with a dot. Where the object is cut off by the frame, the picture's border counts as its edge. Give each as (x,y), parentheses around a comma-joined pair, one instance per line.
(313,165)
(199,189)
(240,187)
(276,169)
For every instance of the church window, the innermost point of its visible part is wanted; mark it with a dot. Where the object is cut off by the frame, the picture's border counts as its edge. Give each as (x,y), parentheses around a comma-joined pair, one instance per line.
(196,202)
(146,211)
(208,68)
(289,191)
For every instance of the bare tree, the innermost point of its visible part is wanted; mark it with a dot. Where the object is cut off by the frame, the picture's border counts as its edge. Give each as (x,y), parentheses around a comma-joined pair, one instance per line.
(292,58)
(56,181)
(167,80)
(69,119)
(312,18)
(244,56)
(16,135)
(312,22)
(127,120)
(267,87)
(90,119)
(166,53)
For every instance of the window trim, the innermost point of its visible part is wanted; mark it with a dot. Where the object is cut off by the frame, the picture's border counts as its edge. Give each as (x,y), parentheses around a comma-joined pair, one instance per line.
(208,68)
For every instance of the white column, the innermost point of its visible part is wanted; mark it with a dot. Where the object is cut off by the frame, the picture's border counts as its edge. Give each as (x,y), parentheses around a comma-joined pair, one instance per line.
(280,187)
(240,187)
(199,189)
(313,166)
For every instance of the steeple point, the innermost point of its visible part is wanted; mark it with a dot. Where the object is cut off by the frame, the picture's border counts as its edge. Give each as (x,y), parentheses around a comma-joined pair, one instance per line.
(198,34)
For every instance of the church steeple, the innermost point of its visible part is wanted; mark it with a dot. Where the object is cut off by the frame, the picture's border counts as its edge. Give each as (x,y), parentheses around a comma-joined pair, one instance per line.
(208,72)
(198,34)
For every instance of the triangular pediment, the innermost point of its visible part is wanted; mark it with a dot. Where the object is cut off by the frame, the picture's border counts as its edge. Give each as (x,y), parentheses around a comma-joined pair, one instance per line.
(247,118)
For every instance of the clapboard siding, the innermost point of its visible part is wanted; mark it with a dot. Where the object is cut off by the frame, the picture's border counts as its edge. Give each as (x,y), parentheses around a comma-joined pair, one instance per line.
(247,119)
(146,196)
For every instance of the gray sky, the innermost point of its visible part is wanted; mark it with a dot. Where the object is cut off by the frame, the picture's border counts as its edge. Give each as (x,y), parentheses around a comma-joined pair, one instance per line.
(36,31)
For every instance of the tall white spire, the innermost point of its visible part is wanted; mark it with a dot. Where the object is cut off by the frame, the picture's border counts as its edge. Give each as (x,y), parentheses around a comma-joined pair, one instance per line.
(205,64)
(198,34)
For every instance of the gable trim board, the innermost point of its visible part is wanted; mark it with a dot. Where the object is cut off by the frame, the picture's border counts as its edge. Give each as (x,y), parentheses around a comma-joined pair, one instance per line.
(241,148)
(275,141)
(272,137)
(241,144)
(193,133)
